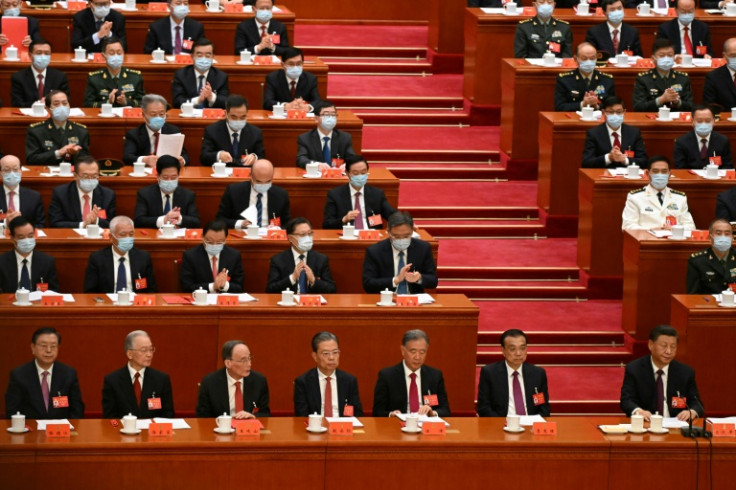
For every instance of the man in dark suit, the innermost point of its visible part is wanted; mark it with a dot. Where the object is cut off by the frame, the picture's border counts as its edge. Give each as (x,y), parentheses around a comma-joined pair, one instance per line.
(261,35)
(400,262)
(95,23)
(25,267)
(502,393)
(16,200)
(263,201)
(44,388)
(83,201)
(200,83)
(35,82)
(166,201)
(340,208)
(613,143)
(176,33)
(232,141)
(300,268)
(658,383)
(212,266)
(584,86)
(411,386)
(141,142)
(324,144)
(295,88)
(247,389)
(712,270)
(11,8)
(137,388)
(720,84)
(688,35)
(694,149)
(614,36)
(726,205)
(327,390)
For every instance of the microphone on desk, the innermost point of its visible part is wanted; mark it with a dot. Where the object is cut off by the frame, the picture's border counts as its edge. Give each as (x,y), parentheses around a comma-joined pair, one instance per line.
(695,432)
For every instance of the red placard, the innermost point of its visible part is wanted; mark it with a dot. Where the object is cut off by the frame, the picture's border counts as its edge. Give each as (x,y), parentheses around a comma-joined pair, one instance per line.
(434,428)
(76,5)
(310,300)
(730,174)
(58,430)
(262,60)
(133,112)
(369,235)
(724,430)
(60,401)
(407,301)
(250,427)
(144,300)
(42,286)
(699,235)
(348,410)
(431,400)
(569,63)
(544,428)
(52,300)
(732,286)
(276,234)
(241,173)
(715,160)
(686,116)
(530,11)
(15,29)
(158,7)
(295,114)
(644,63)
(160,429)
(98,58)
(332,173)
(213,113)
(341,428)
(227,300)
(154,403)
(193,233)
(183,59)
(234,8)
(717,62)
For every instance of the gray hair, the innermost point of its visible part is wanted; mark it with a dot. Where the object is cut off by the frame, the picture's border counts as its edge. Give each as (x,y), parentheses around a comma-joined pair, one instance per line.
(132,336)
(400,218)
(717,220)
(323,337)
(152,99)
(415,334)
(119,220)
(227,348)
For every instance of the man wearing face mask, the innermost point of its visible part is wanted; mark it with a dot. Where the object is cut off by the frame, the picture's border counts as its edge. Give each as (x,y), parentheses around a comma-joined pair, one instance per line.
(694,149)
(688,35)
(584,86)
(25,267)
(363,205)
(656,206)
(232,141)
(301,269)
(56,139)
(175,34)
(662,86)
(114,84)
(16,200)
(613,143)
(296,88)
(614,36)
(11,8)
(83,201)
(324,143)
(95,23)
(400,262)
(141,143)
(257,198)
(212,265)
(262,35)
(542,34)
(166,201)
(121,265)
(35,82)
(713,270)
(200,83)
(720,83)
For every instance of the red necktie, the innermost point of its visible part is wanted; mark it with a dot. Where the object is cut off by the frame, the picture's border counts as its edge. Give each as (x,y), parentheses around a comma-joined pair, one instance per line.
(328,397)
(292,85)
(359,217)
(137,388)
(413,394)
(660,392)
(177,40)
(238,397)
(518,396)
(214,267)
(155,142)
(688,42)
(704,149)
(45,389)
(85,208)
(263,31)
(40,86)
(616,141)
(11,201)
(615,40)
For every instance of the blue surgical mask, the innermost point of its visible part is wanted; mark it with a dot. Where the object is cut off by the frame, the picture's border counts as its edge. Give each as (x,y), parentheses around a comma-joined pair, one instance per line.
(703,129)
(88,185)
(60,113)
(545,10)
(156,123)
(125,244)
(261,188)
(11,179)
(586,66)
(168,186)
(101,12)
(115,61)
(180,11)
(401,244)
(41,61)
(11,12)
(305,243)
(202,64)
(293,72)
(264,15)
(686,19)
(213,249)
(329,122)
(358,181)
(722,243)
(659,181)
(614,120)
(616,16)
(665,63)
(26,245)
(731,63)
(236,125)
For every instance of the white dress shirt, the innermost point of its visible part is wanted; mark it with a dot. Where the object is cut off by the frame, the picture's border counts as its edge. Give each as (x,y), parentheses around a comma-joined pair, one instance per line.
(231,391)
(665,376)
(132,372)
(36,73)
(19,259)
(160,219)
(361,199)
(333,387)
(296,253)
(16,198)
(40,371)
(81,205)
(172,28)
(611,139)
(682,36)
(510,378)
(407,373)
(213,96)
(258,27)
(115,264)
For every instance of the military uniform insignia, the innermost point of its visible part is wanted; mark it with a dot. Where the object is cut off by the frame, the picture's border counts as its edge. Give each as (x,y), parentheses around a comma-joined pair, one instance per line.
(104,91)
(710,273)
(600,89)
(654,91)
(673,206)
(535,36)
(48,144)
(677,87)
(733,272)
(673,191)
(636,191)
(73,140)
(128,87)
(574,92)
(648,209)
(557,34)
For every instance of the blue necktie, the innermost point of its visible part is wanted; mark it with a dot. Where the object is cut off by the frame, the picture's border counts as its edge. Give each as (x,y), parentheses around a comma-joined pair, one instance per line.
(122,281)
(302,278)
(236,149)
(25,277)
(259,210)
(326,151)
(167,206)
(402,284)
(199,91)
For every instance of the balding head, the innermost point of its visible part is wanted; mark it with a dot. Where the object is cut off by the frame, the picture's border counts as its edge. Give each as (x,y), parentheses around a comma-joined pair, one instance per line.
(686,6)
(729,48)
(586,51)
(10,162)
(262,172)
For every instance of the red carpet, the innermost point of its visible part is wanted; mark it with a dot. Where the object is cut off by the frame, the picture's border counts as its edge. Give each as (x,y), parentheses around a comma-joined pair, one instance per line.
(558,252)
(477,138)
(598,315)
(355,35)
(473,193)
(395,86)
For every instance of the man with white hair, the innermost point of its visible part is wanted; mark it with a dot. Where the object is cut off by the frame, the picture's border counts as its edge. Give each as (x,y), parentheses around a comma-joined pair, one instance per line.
(141,143)
(16,200)
(120,266)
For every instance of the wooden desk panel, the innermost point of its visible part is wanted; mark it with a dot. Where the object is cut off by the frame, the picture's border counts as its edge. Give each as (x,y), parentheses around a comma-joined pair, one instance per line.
(561,143)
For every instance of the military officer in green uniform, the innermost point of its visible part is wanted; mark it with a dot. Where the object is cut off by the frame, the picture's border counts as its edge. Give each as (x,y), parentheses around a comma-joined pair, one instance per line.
(56,139)
(663,86)
(712,270)
(543,33)
(114,84)
(585,86)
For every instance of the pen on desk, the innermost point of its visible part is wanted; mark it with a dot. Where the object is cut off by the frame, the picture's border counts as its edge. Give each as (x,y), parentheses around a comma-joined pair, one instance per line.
(706,298)
(144,232)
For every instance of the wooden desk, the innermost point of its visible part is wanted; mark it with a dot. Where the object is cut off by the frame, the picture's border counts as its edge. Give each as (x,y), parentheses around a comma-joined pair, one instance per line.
(56,25)
(602,201)
(561,143)
(107,136)
(72,253)
(189,338)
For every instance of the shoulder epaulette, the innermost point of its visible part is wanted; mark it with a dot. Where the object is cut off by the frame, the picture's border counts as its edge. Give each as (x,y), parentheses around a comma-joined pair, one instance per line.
(33,125)
(681,73)
(636,191)
(673,191)
(78,124)
(526,20)
(605,74)
(562,21)
(698,254)
(95,72)
(565,74)
(137,72)
(642,73)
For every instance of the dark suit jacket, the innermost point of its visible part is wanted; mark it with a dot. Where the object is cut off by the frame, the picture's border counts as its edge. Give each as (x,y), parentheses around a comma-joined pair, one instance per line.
(631,4)
(138,144)
(493,390)
(118,397)
(31,205)
(309,147)
(687,151)
(391,394)
(159,35)
(213,398)
(628,39)
(719,89)
(485,3)
(282,265)
(237,198)
(339,203)
(84,28)
(248,35)
(598,145)
(24,393)
(277,89)
(23,90)
(699,34)
(65,210)
(196,269)
(217,138)
(308,399)
(184,86)
(43,266)
(33,29)
(148,207)
(726,205)
(100,274)
(639,389)
(378,267)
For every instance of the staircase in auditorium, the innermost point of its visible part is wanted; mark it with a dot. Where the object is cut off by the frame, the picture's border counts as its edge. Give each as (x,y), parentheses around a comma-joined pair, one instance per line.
(493,246)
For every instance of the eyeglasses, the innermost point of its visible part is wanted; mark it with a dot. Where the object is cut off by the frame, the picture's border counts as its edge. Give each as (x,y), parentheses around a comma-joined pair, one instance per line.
(292,65)
(145,350)
(328,354)
(89,176)
(216,244)
(334,114)
(47,346)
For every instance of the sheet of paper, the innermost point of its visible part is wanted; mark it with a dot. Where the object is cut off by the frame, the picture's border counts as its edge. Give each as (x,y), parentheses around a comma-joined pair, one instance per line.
(114,297)
(175,423)
(27,111)
(424,418)
(250,214)
(118,111)
(246,298)
(170,144)
(528,420)
(493,11)
(701,173)
(722,420)
(67,298)
(660,233)
(621,171)
(354,420)
(140,424)
(673,423)
(425,299)
(596,114)
(718,297)
(540,61)
(702,62)
(40,233)
(83,232)
(321,299)
(41,424)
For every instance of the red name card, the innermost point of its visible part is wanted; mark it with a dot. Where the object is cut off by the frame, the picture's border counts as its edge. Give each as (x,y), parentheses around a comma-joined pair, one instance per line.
(332,173)
(133,112)
(144,300)
(530,11)
(249,427)
(341,428)
(160,429)
(730,174)
(184,59)
(158,7)
(296,114)
(193,233)
(686,116)
(227,300)
(52,301)
(310,300)
(219,113)
(369,235)
(644,63)
(724,430)
(434,428)
(98,58)
(544,428)
(407,301)
(276,235)
(76,5)
(569,63)
(241,173)
(699,235)
(262,60)
(58,430)
(717,62)
(234,8)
